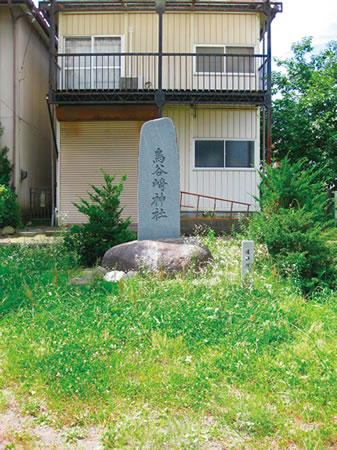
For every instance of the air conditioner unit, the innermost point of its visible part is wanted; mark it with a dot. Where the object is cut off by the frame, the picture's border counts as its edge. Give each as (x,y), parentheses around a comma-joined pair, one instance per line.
(131,83)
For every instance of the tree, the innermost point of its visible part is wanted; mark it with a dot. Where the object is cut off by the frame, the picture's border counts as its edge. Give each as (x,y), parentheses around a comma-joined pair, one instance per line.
(304,108)
(293,224)
(105,227)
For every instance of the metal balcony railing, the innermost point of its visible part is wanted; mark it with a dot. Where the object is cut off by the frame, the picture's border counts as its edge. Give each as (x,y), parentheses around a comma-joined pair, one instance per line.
(131,72)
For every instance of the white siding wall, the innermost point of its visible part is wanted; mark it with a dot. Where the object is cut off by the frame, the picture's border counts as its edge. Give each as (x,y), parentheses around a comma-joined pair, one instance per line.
(6,78)
(33,134)
(181,30)
(33,125)
(207,122)
(85,147)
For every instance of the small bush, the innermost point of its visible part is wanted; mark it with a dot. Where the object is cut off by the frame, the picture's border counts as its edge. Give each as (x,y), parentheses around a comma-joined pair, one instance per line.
(105,227)
(5,167)
(292,223)
(9,209)
(297,246)
(295,186)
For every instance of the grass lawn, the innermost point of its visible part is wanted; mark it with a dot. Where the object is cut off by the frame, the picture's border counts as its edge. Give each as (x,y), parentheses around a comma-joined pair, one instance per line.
(200,360)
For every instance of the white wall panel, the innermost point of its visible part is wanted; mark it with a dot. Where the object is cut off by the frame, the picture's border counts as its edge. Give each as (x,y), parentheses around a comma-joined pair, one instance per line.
(207,122)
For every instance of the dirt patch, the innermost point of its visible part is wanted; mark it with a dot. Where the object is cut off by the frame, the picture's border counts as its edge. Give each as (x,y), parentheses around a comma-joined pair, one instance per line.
(24,432)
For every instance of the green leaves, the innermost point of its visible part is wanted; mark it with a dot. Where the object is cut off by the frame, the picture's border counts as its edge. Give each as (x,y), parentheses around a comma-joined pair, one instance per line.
(294,215)
(304,111)
(105,227)
(298,185)
(9,209)
(5,165)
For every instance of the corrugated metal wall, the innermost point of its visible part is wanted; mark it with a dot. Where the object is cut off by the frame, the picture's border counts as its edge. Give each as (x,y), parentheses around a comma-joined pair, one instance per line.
(238,29)
(85,147)
(86,24)
(207,122)
(181,30)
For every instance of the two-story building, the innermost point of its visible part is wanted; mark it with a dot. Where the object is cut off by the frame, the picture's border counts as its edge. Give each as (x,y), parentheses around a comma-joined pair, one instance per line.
(24,57)
(204,64)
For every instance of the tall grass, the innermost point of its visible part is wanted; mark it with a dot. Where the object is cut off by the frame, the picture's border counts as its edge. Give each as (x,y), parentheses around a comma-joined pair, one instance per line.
(193,360)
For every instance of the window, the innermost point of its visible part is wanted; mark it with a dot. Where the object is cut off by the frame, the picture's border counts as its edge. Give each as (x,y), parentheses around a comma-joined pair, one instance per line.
(209,59)
(220,154)
(209,154)
(239,153)
(87,71)
(239,64)
(107,69)
(220,59)
(77,74)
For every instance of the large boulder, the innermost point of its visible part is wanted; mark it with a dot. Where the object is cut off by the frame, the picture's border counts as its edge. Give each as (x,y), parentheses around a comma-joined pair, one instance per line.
(170,255)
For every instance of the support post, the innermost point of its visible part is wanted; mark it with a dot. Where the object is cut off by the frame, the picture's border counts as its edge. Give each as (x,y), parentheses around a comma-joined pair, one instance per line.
(269,135)
(159,95)
(160,51)
(52,47)
(263,108)
(51,89)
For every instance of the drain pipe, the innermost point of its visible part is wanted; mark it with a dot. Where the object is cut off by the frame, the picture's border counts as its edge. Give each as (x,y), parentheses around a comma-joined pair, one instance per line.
(53,153)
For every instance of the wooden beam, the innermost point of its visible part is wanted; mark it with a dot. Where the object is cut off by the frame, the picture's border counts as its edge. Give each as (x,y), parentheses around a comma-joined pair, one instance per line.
(86,113)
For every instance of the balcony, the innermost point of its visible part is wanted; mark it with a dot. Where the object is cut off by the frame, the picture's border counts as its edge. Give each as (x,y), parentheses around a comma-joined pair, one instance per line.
(136,78)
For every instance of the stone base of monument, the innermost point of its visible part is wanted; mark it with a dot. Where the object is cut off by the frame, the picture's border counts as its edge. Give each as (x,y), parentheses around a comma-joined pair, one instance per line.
(168,255)
(219,226)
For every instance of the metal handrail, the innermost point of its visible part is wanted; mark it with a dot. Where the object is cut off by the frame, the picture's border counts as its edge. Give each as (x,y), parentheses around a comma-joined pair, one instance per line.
(215,199)
(164,54)
(180,72)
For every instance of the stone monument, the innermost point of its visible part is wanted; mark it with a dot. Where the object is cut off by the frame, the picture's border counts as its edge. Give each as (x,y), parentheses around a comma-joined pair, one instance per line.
(158,181)
(247,257)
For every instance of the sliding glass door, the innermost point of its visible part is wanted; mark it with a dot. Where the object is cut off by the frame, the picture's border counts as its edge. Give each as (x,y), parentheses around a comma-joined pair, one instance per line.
(95,63)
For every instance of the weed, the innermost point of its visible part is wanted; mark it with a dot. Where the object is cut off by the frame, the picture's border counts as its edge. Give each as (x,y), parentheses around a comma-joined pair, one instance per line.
(74,434)
(189,361)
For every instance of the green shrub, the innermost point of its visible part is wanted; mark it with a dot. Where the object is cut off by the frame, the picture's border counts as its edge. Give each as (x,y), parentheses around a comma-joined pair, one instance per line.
(292,223)
(297,246)
(9,209)
(293,185)
(105,227)
(5,167)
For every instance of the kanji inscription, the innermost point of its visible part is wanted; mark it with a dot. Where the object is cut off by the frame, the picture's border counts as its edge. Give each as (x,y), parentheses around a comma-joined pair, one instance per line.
(158,181)
(158,200)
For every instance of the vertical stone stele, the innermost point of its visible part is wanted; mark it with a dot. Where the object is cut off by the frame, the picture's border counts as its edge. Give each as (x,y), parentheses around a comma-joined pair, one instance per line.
(158,181)
(247,257)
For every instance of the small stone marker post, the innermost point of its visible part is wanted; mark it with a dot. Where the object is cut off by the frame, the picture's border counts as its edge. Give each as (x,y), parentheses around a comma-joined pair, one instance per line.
(247,257)
(335,208)
(158,181)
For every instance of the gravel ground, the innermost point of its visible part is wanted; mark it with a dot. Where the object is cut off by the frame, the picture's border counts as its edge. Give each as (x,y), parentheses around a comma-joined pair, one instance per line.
(31,240)
(22,431)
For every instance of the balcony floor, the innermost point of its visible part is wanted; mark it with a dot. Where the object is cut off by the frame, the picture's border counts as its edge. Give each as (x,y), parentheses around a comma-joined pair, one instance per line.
(85,97)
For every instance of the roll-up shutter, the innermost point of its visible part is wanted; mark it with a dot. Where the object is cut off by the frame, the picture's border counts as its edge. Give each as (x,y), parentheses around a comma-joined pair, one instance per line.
(85,147)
